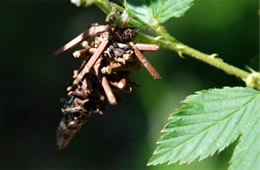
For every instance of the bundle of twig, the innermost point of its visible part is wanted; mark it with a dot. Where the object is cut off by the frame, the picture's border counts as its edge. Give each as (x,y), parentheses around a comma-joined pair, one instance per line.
(108,59)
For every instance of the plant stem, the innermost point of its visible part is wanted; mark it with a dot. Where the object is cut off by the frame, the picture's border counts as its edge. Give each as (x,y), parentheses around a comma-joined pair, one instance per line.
(184,49)
(105,6)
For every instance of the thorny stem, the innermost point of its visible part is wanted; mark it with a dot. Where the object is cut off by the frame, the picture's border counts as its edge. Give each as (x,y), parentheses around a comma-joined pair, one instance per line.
(167,41)
(184,49)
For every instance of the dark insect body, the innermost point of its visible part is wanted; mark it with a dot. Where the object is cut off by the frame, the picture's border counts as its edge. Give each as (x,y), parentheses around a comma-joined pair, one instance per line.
(108,60)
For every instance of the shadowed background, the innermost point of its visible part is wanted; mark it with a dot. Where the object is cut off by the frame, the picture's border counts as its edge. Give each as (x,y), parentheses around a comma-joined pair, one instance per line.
(32,83)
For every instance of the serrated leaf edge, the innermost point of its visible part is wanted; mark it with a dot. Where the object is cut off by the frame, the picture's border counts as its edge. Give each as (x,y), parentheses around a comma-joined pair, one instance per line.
(185,102)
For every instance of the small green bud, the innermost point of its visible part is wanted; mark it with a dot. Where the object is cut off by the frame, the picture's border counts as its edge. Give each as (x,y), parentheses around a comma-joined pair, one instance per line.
(253,80)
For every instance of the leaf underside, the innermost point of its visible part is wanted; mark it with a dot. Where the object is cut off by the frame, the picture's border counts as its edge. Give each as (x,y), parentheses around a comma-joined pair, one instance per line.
(158,11)
(208,122)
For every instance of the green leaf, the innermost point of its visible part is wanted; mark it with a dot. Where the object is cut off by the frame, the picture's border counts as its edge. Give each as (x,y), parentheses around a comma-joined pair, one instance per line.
(208,122)
(247,152)
(154,11)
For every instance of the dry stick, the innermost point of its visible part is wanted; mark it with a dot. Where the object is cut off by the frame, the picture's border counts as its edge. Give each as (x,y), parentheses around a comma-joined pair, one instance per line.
(76,72)
(85,44)
(114,83)
(147,47)
(108,69)
(119,84)
(79,53)
(147,64)
(122,83)
(91,61)
(109,93)
(92,31)
(96,67)
(96,55)
(126,89)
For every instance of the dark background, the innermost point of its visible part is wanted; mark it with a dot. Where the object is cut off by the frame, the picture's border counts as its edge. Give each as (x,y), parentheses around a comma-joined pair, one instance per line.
(124,138)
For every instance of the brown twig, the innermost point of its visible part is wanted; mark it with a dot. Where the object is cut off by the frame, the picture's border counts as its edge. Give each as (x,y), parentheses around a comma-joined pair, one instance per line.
(108,69)
(147,47)
(91,61)
(109,93)
(95,56)
(147,64)
(119,84)
(85,44)
(92,31)
(96,68)
(122,83)
(79,53)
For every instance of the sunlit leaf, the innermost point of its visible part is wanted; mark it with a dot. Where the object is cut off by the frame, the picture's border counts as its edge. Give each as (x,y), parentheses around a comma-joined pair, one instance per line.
(208,122)
(247,152)
(153,11)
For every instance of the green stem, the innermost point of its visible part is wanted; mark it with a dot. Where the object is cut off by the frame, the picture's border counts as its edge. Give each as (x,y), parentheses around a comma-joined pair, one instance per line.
(106,7)
(184,49)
